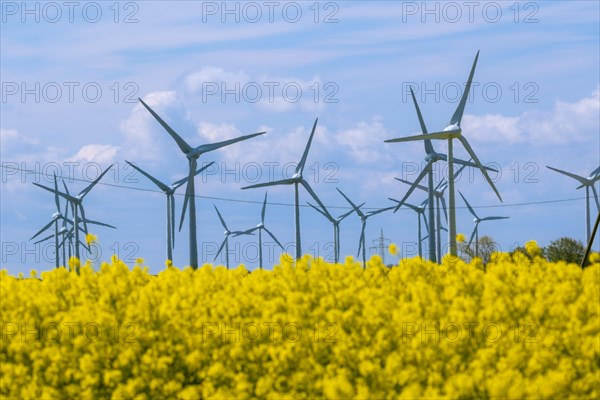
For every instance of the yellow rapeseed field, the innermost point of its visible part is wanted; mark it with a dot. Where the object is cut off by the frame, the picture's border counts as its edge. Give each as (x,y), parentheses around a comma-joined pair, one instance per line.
(522,329)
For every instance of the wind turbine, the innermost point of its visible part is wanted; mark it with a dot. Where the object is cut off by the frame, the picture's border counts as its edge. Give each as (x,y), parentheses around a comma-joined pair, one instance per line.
(438,193)
(192,154)
(363,219)
(420,210)
(587,183)
(431,157)
(169,190)
(453,131)
(77,206)
(57,216)
(225,242)
(336,228)
(296,180)
(260,227)
(477,220)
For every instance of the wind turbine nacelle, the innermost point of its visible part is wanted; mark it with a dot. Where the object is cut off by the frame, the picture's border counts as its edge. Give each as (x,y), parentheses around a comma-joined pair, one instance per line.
(261,225)
(453,128)
(297,175)
(56,215)
(194,153)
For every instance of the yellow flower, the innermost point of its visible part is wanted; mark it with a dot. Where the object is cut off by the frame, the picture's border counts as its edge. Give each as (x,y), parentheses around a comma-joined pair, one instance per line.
(73,263)
(393,249)
(532,248)
(169,263)
(139,260)
(461,238)
(594,258)
(91,238)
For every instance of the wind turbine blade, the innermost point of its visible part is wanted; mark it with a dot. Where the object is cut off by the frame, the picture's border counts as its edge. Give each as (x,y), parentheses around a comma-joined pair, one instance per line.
(457,173)
(444,209)
(273,237)
(246,232)
(578,178)
(180,182)
(371,213)
(185,148)
(361,239)
(595,173)
(300,166)
(421,187)
(158,183)
(596,198)
(469,149)
(44,239)
(221,218)
(464,163)
(48,225)
(426,224)
(264,209)
(205,148)
(468,205)
(473,234)
(91,185)
(289,181)
(349,212)
(83,218)
(417,181)
(188,191)
(320,212)
(56,194)
(428,145)
(92,222)
(457,117)
(315,197)
(414,208)
(66,196)
(66,213)
(357,209)
(436,135)
(493,218)
(220,248)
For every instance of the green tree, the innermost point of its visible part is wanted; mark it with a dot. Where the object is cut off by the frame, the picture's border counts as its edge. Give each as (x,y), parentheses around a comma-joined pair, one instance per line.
(565,249)
(487,246)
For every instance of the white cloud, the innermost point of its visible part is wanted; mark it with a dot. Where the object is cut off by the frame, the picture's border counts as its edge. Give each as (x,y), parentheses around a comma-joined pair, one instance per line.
(12,138)
(271,93)
(365,142)
(213,75)
(567,122)
(100,153)
(144,137)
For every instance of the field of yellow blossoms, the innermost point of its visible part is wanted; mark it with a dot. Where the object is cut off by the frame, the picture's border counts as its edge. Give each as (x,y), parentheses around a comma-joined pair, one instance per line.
(522,329)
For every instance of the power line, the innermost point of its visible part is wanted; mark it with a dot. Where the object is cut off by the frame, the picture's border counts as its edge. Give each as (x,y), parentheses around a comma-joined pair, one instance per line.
(120,186)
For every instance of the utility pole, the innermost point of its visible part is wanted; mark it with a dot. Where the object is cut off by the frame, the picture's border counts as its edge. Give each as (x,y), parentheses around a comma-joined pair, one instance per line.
(380,244)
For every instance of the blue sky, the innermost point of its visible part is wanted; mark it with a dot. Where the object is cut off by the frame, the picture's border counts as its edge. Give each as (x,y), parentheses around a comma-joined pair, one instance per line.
(71,78)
